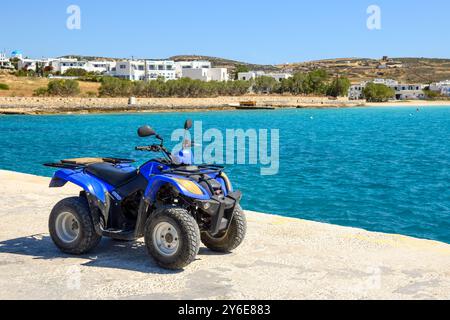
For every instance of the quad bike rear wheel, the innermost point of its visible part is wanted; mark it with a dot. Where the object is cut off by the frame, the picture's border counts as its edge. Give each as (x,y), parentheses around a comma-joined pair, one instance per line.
(71,226)
(172,237)
(230,239)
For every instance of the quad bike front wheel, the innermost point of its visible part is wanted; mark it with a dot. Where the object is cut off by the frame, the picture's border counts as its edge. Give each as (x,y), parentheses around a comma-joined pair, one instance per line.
(230,239)
(172,238)
(71,226)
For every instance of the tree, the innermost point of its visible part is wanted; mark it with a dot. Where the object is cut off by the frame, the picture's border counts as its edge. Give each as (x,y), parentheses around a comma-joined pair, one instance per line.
(265,84)
(75,72)
(431,95)
(240,68)
(339,87)
(316,82)
(114,87)
(374,92)
(15,62)
(295,85)
(63,88)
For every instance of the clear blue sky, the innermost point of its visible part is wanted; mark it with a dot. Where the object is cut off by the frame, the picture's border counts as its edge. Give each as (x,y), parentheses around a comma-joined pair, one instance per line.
(254,31)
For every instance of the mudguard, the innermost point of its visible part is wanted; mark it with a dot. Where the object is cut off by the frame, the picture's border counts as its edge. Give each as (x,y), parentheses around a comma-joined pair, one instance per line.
(88,183)
(156,182)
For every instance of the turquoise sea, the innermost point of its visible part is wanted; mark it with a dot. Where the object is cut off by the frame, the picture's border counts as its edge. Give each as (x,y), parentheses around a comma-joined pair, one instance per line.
(382,169)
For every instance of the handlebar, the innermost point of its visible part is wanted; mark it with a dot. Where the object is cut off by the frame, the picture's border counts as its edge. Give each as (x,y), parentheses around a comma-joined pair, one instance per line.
(153,148)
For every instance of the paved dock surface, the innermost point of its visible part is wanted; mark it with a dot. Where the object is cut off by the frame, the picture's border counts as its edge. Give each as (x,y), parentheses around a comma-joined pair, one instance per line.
(281,259)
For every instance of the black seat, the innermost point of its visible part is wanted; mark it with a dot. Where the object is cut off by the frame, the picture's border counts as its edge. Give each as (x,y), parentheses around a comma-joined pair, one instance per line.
(110,174)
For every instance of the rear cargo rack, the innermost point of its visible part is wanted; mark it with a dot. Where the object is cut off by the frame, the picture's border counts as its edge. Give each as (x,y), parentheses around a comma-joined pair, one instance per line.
(75,164)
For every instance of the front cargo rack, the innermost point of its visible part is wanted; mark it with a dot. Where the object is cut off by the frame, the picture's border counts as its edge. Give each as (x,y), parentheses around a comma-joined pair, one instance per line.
(195,170)
(81,163)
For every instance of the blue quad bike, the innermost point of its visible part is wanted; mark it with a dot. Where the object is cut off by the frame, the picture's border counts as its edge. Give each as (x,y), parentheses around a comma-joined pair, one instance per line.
(173,204)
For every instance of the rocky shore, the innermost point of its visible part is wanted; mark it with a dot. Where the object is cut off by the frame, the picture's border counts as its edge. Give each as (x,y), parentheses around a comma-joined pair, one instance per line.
(38,105)
(281,258)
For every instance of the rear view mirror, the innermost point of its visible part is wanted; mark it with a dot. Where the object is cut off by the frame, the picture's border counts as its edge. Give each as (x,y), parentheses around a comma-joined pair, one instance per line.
(146,131)
(188,125)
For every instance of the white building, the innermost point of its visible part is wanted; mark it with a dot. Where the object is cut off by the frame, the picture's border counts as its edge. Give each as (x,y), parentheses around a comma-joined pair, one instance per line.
(4,62)
(402,91)
(196,64)
(386,82)
(409,91)
(17,54)
(356,91)
(64,64)
(252,75)
(206,74)
(279,76)
(144,70)
(442,87)
(31,64)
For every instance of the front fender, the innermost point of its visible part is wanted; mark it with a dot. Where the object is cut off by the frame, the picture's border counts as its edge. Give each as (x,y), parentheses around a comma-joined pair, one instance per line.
(156,182)
(87,182)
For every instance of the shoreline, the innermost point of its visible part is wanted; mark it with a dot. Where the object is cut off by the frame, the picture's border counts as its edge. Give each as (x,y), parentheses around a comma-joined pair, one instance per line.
(56,106)
(308,260)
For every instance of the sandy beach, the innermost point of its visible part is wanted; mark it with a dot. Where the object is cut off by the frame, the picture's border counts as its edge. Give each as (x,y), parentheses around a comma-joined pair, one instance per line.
(281,258)
(410,103)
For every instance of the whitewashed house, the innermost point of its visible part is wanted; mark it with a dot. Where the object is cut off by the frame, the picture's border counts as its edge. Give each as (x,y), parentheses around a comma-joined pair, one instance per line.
(206,74)
(144,70)
(386,82)
(409,91)
(31,64)
(279,76)
(442,87)
(196,64)
(356,91)
(252,75)
(4,62)
(402,91)
(17,54)
(64,64)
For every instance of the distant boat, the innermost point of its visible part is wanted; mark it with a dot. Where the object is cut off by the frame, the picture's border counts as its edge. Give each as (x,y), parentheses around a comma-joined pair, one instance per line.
(247,103)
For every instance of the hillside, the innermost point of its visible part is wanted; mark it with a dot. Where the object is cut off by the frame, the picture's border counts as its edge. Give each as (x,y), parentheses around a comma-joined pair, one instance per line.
(225,63)
(408,70)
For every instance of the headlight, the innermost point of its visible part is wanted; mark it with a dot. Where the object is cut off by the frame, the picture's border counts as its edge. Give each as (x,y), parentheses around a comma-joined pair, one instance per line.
(227,181)
(189,186)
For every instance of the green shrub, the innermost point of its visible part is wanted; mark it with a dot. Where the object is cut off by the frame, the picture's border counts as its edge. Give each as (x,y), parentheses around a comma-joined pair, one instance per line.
(25,73)
(91,94)
(76,72)
(63,88)
(431,95)
(40,92)
(339,87)
(4,86)
(182,88)
(375,92)
(114,87)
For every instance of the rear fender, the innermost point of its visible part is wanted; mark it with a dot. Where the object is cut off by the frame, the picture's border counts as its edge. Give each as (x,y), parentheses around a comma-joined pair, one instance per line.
(89,183)
(157,182)
(96,190)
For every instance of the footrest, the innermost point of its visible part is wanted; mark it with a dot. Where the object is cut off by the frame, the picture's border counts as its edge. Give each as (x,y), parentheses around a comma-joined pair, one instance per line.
(124,235)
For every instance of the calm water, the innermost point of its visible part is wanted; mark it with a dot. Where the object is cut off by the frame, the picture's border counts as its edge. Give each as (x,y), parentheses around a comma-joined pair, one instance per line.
(382,169)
